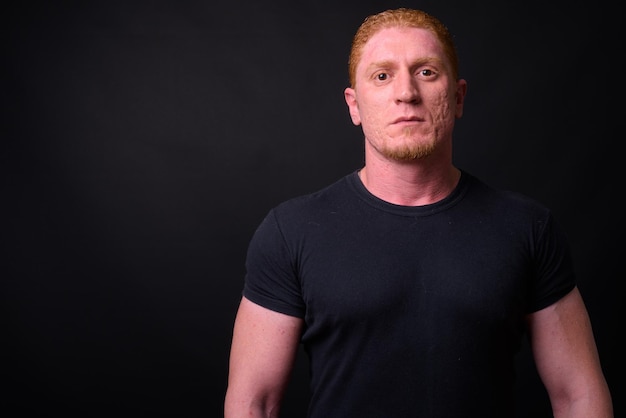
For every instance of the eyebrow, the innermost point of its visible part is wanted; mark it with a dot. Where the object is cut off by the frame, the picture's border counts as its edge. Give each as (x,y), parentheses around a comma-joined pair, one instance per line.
(417,63)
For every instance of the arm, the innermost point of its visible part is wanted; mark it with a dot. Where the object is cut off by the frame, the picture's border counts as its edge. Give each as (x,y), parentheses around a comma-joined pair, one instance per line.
(262,355)
(567,359)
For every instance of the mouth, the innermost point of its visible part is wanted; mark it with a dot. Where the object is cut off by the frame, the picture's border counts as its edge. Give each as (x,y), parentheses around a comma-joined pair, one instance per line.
(407,120)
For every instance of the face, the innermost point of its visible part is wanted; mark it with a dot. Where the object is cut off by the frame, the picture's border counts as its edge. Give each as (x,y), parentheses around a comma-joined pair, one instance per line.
(404,97)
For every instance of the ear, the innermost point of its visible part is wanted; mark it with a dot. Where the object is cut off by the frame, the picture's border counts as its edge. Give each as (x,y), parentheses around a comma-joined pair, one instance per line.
(349,95)
(461,91)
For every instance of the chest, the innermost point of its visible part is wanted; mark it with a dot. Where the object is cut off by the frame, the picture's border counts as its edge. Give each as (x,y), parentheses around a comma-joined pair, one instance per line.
(434,270)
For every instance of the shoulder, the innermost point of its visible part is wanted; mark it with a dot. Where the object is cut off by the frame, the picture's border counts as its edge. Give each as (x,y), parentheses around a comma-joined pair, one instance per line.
(324,200)
(509,201)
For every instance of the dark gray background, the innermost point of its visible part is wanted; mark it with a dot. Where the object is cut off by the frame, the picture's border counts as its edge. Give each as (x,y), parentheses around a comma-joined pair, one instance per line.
(144,141)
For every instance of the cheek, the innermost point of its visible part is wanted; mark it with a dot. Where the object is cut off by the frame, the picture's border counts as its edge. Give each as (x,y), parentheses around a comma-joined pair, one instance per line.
(373,122)
(371,113)
(441,108)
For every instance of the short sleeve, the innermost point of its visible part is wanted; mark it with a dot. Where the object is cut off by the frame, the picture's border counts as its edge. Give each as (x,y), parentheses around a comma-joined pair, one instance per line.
(554,270)
(271,278)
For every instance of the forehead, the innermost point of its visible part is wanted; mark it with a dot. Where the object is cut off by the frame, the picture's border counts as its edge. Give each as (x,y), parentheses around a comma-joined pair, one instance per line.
(401,43)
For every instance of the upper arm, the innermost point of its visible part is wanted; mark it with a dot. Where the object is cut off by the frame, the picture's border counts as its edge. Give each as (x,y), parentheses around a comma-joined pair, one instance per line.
(566,357)
(262,355)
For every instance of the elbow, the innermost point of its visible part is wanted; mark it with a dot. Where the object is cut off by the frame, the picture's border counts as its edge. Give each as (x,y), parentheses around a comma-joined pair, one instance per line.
(250,406)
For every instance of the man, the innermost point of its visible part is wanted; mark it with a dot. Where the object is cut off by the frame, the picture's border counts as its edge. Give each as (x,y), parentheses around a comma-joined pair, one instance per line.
(410,282)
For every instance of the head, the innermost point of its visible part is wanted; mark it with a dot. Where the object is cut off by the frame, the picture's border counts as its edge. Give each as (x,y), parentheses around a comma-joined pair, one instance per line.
(405,91)
(403,17)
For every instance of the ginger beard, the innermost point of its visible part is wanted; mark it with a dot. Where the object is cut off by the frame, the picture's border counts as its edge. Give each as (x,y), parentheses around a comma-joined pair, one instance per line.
(408,148)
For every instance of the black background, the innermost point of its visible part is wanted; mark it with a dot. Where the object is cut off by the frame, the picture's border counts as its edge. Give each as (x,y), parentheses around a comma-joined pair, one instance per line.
(144,141)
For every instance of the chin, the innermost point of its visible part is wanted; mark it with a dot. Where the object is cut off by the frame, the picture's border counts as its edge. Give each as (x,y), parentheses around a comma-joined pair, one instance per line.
(410,152)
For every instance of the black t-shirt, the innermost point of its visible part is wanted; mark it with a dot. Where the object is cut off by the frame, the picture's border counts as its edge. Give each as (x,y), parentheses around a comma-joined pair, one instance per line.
(409,311)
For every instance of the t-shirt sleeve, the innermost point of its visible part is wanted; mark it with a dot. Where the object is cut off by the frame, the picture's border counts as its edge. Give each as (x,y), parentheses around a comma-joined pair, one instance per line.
(555,276)
(271,278)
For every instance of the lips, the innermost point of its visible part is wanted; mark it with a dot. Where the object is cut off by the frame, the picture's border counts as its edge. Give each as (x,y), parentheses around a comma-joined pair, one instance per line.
(407,119)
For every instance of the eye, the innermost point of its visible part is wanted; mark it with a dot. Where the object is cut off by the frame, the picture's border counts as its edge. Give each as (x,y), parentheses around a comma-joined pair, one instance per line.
(427,73)
(382,76)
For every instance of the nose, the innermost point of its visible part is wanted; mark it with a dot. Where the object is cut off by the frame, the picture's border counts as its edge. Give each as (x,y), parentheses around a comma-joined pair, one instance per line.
(406,88)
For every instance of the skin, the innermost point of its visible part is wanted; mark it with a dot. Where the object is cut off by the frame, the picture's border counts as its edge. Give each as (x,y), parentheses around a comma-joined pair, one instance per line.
(567,359)
(406,103)
(262,355)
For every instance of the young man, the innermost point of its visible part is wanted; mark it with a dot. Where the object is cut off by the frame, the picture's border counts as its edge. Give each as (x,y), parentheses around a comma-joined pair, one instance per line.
(410,282)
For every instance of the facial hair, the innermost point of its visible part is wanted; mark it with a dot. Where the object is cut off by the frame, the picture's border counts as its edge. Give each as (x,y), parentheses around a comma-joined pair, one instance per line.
(409,150)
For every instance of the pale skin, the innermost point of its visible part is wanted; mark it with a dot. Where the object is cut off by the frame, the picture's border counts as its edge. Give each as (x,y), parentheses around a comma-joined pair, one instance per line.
(406,103)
